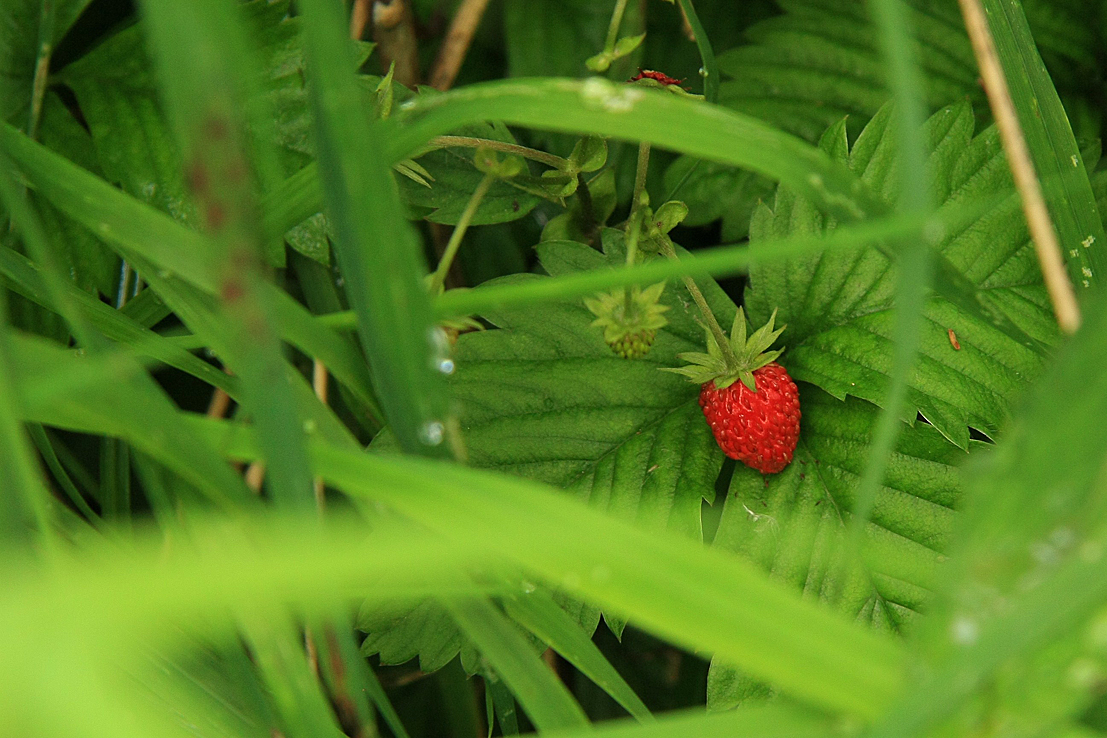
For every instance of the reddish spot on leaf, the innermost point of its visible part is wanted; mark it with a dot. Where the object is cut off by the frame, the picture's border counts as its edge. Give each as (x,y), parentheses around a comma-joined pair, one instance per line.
(216,128)
(231,291)
(197,176)
(214,216)
(953,340)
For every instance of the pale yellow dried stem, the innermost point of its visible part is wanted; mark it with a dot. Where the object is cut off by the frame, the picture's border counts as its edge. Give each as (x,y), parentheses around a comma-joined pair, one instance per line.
(456,44)
(1061,293)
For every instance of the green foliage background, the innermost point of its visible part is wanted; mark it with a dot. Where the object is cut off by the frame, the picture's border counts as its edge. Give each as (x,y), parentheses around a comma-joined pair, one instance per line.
(518,530)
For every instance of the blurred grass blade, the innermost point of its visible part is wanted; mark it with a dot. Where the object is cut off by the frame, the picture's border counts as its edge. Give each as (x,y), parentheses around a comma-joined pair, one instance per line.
(173,250)
(915,264)
(380,256)
(121,403)
(207,76)
(303,708)
(349,677)
(710,70)
(716,261)
(538,613)
(1029,570)
(544,698)
(699,599)
(23,496)
(1053,148)
(778,720)
(23,277)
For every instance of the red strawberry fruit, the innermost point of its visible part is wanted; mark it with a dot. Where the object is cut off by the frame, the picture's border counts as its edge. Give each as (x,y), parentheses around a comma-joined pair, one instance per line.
(749,400)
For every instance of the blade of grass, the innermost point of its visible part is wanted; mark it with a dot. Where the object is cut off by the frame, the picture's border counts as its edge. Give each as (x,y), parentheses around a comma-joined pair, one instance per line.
(349,676)
(22,276)
(206,76)
(546,700)
(537,612)
(295,690)
(700,599)
(140,231)
(710,69)
(1037,214)
(23,496)
(123,405)
(1051,144)
(915,265)
(377,249)
(61,476)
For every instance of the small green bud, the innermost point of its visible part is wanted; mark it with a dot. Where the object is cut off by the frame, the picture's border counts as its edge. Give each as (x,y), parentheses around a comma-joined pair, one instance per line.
(589,155)
(488,161)
(558,184)
(669,216)
(627,44)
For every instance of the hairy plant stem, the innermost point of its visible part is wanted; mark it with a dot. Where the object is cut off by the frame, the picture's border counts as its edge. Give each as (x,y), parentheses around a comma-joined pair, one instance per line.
(705,310)
(470,142)
(634,230)
(640,177)
(454,243)
(613,27)
(588,224)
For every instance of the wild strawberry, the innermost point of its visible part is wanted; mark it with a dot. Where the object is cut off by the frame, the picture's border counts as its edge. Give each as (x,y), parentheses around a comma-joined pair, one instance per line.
(749,400)
(630,319)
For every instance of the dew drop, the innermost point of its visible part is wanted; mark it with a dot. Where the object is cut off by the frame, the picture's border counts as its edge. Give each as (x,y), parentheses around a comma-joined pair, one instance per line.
(964,631)
(432,432)
(446,366)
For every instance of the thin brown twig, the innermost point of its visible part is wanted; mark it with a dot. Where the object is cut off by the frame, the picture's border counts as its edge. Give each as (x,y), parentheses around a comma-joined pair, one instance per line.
(456,44)
(255,475)
(220,401)
(359,18)
(1045,240)
(394,32)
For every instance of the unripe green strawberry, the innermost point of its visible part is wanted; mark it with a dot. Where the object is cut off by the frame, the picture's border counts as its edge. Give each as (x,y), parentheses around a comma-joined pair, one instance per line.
(634,345)
(629,320)
(749,401)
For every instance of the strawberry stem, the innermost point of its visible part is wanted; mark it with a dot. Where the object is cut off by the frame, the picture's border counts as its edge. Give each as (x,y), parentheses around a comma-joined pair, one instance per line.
(705,309)
(454,243)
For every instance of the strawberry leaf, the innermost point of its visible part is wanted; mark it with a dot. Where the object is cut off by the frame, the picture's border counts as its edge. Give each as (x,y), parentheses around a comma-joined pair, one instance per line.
(792,523)
(839,305)
(821,61)
(540,395)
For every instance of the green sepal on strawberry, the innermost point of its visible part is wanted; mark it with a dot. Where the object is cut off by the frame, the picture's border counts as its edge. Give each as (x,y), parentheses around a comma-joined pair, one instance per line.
(749,401)
(630,321)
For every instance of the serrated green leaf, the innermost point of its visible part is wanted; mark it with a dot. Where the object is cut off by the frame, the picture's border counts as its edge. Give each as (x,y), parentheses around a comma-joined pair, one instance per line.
(713,191)
(553,38)
(1049,139)
(454,179)
(118,96)
(840,307)
(794,524)
(821,61)
(544,398)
